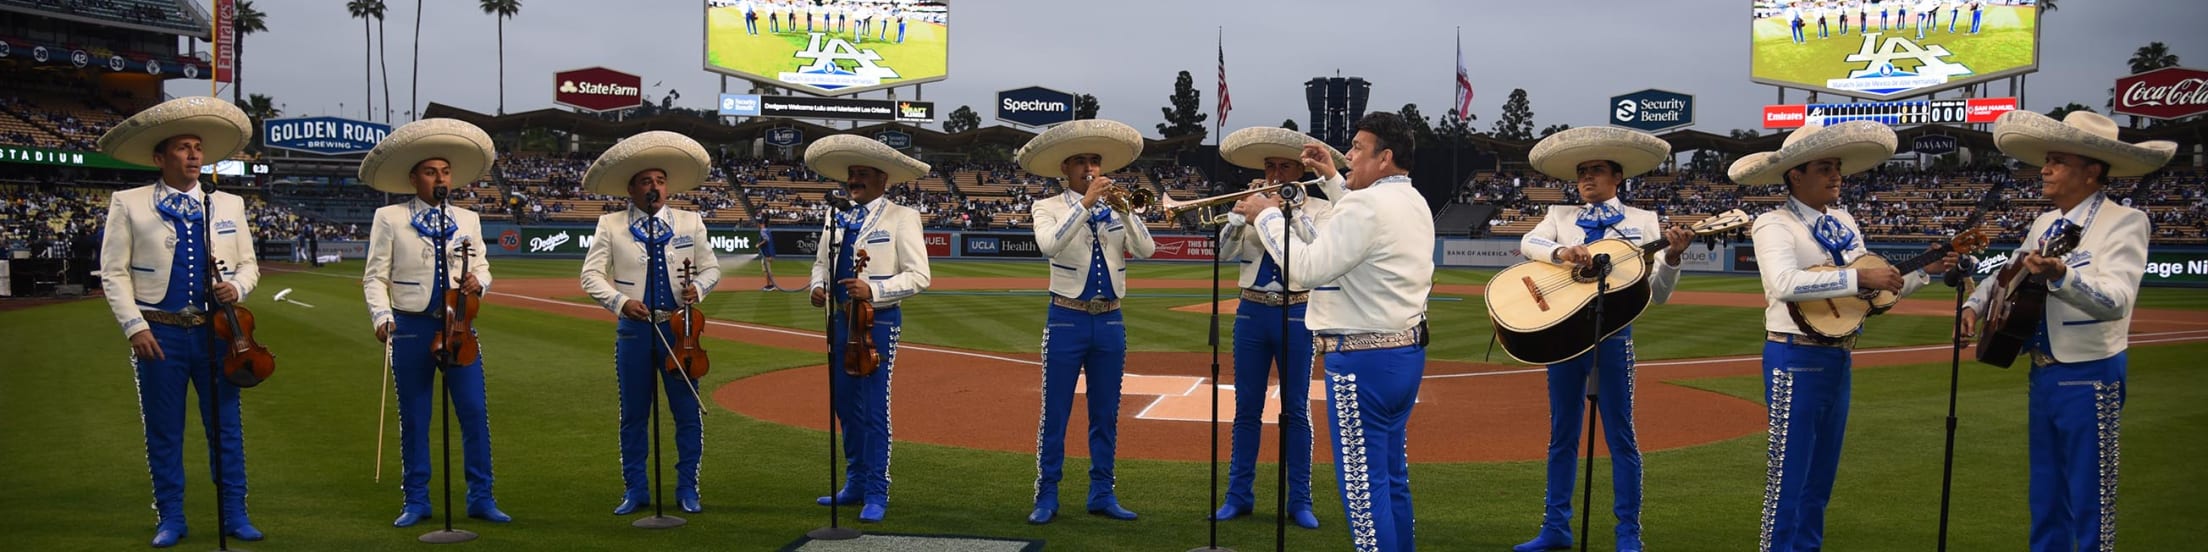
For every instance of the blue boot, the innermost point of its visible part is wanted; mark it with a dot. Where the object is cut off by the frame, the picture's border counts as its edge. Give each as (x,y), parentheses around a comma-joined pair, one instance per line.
(1041,515)
(691,505)
(168,532)
(629,506)
(1229,511)
(1550,539)
(873,513)
(1112,510)
(407,518)
(241,528)
(1629,543)
(488,511)
(846,497)
(1304,518)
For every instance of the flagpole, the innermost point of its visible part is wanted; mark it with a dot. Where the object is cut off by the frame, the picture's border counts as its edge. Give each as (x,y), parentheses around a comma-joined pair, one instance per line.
(1456,183)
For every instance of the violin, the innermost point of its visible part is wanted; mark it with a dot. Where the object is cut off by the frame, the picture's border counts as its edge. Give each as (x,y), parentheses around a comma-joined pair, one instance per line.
(248,363)
(858,346)
(686,356)
(454,341)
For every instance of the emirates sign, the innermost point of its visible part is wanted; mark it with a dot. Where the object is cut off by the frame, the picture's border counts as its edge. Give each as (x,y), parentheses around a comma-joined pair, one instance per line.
(597,89)
(2167,93)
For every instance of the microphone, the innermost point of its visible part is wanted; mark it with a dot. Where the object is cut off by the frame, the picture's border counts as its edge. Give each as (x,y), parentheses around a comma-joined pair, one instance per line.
(439,193)
(1961,271)
(651,197)
(1600,264)
(839,200)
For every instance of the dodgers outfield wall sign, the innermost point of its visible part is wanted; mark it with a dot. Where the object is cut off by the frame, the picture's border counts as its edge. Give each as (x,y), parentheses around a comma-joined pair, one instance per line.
(829,47)
(1891,49)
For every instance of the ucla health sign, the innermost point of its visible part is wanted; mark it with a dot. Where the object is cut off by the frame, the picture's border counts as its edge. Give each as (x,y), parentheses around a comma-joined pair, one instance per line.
(1652,110)
(1034,106)
(323,135)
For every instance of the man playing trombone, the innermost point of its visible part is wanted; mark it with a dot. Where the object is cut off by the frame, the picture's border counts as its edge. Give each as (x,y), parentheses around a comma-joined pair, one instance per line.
(1086,233)
(1258,334)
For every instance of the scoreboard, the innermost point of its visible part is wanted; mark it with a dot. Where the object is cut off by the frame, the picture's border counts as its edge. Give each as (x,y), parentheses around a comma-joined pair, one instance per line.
(1912,112)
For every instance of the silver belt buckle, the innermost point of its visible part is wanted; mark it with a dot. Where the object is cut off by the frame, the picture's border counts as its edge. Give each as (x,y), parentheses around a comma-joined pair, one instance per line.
(1096,307)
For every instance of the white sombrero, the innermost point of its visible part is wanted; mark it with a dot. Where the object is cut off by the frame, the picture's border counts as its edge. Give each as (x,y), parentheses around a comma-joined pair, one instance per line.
(2028,136)
(1250,147)
(1116,142)
(834,156)
(463,146)
(682,158)
(1860,146)
(1636,152)
(222,130)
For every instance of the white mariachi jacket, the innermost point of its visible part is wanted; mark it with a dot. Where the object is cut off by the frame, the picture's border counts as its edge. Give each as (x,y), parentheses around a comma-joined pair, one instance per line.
(1371,266)
(2089,316)
(402,262)
(616,268)
(1239,243)
(896,253)
(1561,228)
(140,247)
(1785,246)
(1062,232)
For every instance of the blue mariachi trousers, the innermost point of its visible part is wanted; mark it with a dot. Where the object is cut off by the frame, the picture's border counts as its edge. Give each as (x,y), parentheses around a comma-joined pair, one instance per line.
(414,370)
(1073,341)
(187,354)
(1806,389)
(1369,400)
(633,370)
(862,407)
(1567,411)
(2076,416)
(1257,340)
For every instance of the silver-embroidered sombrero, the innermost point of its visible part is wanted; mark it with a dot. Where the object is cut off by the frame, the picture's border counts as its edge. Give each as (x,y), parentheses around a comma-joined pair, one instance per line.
(1114,141)
(2028,136)
(684,160)
(1860,146)
(222,130)
(834,156)
(1250,147)
(463,146)
(1636,152)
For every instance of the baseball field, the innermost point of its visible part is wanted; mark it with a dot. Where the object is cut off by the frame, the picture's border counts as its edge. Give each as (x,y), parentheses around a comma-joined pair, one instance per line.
(73,474)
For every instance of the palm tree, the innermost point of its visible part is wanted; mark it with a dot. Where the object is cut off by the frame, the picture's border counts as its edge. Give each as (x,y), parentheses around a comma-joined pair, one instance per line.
(414,97)
(502,10)
(383,55)
(361,9)
(248,21)
(258,107)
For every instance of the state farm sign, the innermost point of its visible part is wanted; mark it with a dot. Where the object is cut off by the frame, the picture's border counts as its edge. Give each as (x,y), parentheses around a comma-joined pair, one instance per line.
(597,89)
(2167,93)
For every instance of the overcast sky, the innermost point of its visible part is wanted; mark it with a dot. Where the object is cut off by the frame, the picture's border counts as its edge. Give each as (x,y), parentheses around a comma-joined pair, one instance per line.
(1570,56)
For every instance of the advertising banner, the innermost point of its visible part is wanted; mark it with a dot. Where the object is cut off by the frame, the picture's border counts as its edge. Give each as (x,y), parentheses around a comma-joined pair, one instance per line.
(597,89)
(1892,49)
(939,244)
(1652,110)
(574,241)
(226,42)
(1186,248)
(999,245)
(2166,93)
(829,48)
(1034,106)
(323,135)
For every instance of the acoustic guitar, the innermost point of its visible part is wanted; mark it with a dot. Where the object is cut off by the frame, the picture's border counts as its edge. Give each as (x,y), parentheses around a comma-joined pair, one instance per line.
(2019,304)
(1543,312)
(1840,317)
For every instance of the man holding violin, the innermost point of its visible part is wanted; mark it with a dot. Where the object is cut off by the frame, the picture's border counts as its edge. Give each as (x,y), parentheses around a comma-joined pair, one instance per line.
(153,268)
(637,259)
(406,286)
(1086,234)
(896,268)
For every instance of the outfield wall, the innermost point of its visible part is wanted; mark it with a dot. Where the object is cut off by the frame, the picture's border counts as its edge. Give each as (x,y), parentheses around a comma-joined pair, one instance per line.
(2167,265)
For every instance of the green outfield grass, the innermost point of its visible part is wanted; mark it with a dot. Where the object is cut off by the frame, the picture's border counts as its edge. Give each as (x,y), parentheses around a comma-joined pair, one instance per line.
(922,55)
(2004,43)
(71,458)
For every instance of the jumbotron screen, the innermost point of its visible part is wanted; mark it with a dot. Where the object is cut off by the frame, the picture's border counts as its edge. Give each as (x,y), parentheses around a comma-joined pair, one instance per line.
(1891,48)
(829,47)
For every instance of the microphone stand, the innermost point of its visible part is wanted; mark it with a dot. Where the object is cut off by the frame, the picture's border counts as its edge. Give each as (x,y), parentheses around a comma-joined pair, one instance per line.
(659,518)
(214,368)
(1600,269)
(1212,520)
(445,362)
(1291,198)
(1955,278)
(828,238)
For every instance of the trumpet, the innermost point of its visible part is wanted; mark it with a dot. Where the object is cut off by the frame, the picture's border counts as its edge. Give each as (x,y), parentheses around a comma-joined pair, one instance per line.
(1135,201)
(1291,195)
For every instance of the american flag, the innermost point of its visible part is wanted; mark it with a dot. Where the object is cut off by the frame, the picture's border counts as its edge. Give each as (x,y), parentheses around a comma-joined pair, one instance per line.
(1464,84)
(1226,102)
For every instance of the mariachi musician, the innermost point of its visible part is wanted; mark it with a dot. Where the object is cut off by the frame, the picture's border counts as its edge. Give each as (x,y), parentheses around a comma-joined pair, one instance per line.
(632,270)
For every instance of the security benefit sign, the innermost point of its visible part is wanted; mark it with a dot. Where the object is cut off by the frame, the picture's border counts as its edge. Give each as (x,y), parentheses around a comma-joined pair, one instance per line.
(1890,49)
(1652,110)
(323,135)
(831,47)
(1034,106)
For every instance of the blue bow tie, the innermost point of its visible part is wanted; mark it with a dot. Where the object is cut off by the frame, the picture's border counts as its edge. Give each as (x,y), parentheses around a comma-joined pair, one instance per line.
(182,207)
(1834,237)
(1597,218)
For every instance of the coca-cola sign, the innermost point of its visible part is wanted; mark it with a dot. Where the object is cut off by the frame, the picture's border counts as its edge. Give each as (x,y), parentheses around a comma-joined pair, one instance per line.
(597,89)
(2167,93)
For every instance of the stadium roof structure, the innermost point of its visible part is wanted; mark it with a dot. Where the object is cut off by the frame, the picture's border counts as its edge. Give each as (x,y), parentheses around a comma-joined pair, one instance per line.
(712,131)
(177,17)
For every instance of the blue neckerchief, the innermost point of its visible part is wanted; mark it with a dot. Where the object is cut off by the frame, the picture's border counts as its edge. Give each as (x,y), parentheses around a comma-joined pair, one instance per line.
(433,223)
(651,231)
(2063,222)
(1099,216)
(181,206)
(1597,219)
(1831,235)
